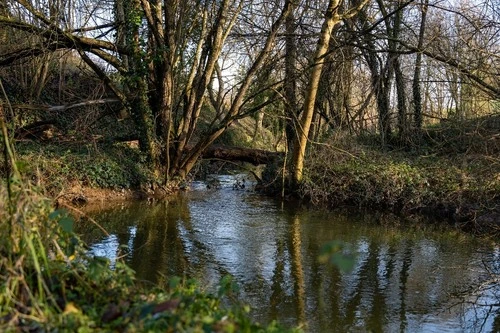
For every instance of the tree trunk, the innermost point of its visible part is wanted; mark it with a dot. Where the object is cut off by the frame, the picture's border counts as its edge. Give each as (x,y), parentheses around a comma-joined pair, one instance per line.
(331,19)
(137,86)
(402,100)
(417,95)
(258,125)
(194,99)
(395,33)
(290,84)
(382,92)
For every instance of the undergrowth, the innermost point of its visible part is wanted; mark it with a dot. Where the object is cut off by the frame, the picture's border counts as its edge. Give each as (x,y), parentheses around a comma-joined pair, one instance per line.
(437,178)
(55,167)
(379,180)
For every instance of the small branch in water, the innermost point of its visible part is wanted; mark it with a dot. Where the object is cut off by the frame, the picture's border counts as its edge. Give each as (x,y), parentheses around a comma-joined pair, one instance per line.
(86,216)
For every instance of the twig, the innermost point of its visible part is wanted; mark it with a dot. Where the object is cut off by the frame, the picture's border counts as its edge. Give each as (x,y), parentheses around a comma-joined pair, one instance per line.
(257,178)
(88,217)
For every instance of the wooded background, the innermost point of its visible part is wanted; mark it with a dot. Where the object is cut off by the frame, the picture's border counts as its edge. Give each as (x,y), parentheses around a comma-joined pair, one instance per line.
(184,71)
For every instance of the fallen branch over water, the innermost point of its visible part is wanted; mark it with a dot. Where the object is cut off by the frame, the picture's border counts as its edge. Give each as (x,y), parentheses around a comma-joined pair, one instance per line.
(249,155)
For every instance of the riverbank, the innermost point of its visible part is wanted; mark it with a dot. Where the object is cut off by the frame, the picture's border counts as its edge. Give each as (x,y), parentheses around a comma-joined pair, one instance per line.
(450,172)
(452,175)
(77,173)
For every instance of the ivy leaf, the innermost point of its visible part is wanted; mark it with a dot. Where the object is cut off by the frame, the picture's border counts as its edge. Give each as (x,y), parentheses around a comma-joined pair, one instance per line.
(56,214)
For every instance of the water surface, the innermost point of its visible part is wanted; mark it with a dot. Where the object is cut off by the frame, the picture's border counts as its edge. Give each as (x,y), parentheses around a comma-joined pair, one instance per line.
(405,278)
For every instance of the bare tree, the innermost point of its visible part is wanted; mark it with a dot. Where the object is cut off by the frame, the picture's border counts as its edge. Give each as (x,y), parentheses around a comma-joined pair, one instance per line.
(167,54)
(417,95)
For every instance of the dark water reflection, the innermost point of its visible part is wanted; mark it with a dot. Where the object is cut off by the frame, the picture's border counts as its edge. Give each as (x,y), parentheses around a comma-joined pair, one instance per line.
(403,279)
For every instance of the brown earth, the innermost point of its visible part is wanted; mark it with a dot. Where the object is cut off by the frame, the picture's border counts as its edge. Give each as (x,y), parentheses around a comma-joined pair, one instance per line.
(79,195)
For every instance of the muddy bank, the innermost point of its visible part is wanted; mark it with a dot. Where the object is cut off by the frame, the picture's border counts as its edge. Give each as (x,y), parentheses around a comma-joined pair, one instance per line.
(80,195)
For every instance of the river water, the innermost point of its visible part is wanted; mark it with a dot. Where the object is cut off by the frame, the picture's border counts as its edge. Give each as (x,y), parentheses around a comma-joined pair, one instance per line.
(391,275)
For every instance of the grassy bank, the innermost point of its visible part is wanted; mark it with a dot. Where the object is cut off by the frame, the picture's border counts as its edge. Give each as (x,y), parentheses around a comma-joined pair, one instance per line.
(78,172)
(452,174)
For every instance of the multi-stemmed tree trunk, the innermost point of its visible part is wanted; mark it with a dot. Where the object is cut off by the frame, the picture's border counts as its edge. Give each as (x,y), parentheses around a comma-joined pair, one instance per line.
(179,113)
(381,75)
(386,67)
(394,33)
(235,108)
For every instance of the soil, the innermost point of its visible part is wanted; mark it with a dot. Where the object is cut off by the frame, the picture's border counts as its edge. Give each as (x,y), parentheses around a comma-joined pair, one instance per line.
(79,195)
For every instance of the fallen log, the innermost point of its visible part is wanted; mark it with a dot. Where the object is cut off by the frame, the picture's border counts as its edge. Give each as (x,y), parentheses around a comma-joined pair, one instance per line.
(43,130)
(249,155)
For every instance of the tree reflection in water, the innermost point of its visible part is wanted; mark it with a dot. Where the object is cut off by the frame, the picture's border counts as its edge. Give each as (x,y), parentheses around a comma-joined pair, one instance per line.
(402,279)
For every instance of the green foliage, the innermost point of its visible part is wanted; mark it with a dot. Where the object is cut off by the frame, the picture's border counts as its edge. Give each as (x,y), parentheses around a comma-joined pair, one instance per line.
(235,137)
(106,174)
(339,254)
(241,133)
(56,167)
(65,222)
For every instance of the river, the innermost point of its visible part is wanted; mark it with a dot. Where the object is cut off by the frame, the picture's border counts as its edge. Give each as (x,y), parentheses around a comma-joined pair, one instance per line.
(392,275)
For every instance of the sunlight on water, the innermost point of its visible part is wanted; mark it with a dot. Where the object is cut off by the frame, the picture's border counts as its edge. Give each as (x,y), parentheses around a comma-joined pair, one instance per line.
(403,279)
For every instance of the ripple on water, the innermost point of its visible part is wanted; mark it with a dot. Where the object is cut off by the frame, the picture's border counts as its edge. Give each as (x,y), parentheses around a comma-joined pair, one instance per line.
(403,278)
